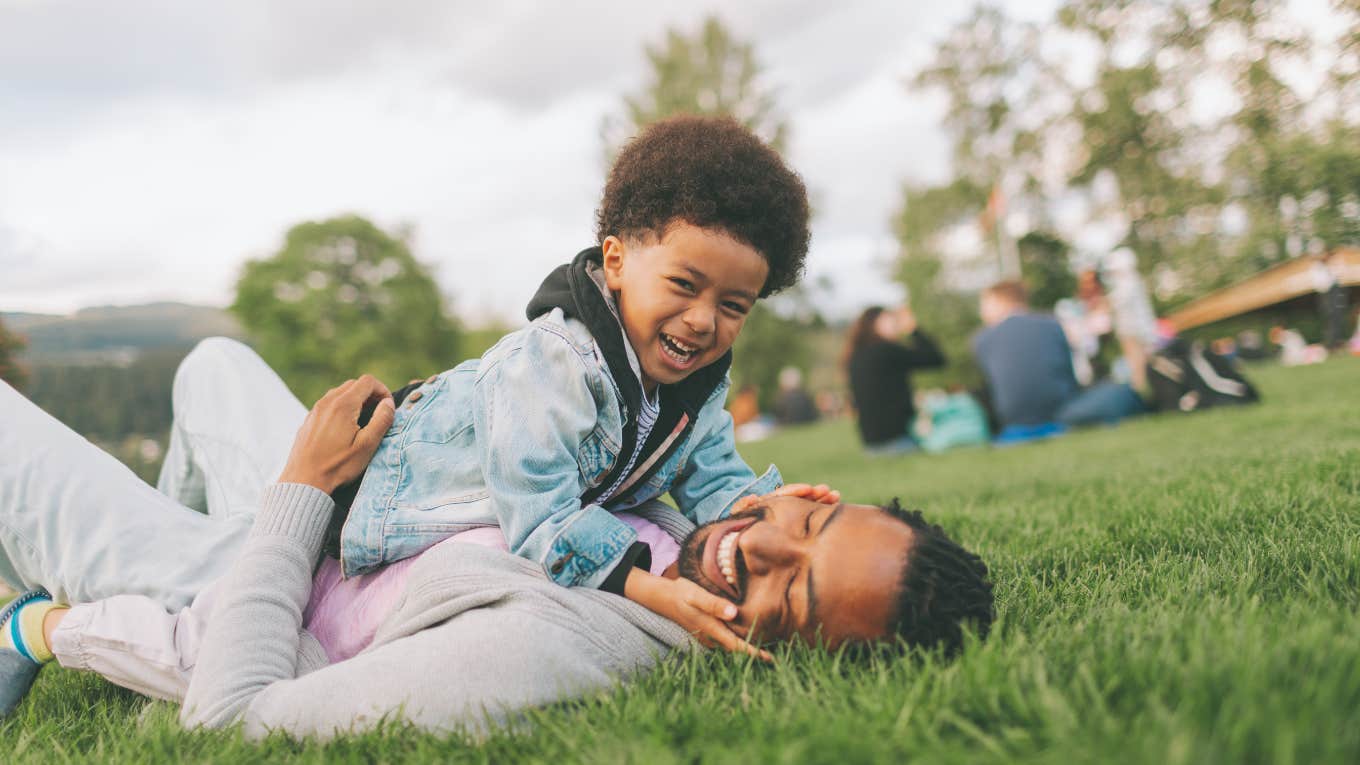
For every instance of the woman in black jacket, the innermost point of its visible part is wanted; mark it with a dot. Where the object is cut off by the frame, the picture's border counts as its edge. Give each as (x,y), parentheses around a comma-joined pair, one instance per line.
(884,347)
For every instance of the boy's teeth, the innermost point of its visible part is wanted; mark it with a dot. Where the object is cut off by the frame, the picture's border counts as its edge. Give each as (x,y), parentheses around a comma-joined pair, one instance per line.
(675,348)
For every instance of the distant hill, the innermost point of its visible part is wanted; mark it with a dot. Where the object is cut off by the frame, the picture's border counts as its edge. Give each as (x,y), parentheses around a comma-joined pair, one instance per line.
(117,334)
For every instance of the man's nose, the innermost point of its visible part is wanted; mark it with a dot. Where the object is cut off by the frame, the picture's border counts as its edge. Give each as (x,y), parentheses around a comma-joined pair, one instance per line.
(700,319)
(766,548)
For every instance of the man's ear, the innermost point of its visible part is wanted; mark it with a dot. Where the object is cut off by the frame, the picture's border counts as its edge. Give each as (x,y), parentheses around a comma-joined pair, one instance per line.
(614,252)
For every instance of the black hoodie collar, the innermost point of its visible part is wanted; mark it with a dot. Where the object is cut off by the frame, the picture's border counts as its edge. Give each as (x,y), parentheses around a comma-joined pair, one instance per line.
(571,288)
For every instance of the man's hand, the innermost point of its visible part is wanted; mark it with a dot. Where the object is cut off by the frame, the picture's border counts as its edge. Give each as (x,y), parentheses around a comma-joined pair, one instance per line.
(699,611)
(330,447)
(905,321)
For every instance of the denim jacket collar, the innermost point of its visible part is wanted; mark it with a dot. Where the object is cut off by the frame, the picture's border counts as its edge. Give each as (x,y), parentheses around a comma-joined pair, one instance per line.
(572,288)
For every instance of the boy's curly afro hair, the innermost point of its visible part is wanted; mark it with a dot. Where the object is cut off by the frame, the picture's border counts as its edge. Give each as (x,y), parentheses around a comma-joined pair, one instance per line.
(712,173)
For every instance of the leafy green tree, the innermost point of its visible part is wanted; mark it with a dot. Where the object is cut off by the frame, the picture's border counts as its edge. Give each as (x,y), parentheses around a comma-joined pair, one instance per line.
(1137,132)
(708,73)
(342,297)
(1003,100)
(1046,269)
(1124,135)
(944,309)
(998,91)
(1344,77)
(10,370)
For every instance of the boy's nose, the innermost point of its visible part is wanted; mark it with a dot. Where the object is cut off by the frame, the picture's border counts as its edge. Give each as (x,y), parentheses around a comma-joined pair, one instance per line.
(699,319)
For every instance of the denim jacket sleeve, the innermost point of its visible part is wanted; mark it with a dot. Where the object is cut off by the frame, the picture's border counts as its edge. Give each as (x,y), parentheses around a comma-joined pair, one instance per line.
(535,406)
(716,475)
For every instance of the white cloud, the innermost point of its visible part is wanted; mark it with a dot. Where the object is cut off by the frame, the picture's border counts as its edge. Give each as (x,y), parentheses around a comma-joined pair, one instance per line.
(147,150)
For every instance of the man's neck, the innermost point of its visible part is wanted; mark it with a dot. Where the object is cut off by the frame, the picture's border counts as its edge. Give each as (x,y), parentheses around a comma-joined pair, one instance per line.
(1016,311)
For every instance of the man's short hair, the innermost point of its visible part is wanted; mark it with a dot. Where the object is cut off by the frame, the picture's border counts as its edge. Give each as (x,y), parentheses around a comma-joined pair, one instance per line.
(712,173)
(943,591)
(1011,291)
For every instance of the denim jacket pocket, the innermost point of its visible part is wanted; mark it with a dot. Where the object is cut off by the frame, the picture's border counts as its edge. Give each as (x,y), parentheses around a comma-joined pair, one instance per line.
(595,459)
(435,467)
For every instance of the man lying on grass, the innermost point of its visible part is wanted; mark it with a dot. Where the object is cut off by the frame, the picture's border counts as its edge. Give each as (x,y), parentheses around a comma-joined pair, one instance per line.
(467,634)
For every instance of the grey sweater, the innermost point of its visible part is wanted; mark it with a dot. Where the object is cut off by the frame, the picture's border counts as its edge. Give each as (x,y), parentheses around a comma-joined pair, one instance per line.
(478,635)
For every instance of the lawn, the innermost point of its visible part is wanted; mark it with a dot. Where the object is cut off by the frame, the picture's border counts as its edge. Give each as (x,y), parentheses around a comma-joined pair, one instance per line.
(1182,589)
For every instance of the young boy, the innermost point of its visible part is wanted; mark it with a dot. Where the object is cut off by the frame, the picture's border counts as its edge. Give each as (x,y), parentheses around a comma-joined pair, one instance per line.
(614,394)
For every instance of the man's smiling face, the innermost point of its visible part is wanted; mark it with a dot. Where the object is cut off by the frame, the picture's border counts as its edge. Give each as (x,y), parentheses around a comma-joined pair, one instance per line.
(797,567)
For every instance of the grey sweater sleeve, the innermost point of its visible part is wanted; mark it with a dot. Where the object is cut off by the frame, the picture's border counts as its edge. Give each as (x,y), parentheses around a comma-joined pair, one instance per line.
(253,638)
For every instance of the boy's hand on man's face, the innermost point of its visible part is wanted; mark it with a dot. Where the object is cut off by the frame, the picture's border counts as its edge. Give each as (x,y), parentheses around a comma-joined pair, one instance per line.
(699,611)
(330,448)
(819,493)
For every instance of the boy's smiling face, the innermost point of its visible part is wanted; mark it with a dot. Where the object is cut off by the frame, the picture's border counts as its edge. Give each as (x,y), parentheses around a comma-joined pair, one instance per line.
(682,298)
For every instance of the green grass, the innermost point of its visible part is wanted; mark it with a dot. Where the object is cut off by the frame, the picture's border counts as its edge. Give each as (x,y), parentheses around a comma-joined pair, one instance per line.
(1176,590)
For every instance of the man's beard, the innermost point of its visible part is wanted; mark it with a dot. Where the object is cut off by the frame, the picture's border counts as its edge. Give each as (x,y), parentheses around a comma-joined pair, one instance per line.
(692,554)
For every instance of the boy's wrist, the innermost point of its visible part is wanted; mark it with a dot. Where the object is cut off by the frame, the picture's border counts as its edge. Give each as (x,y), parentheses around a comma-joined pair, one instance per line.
(642,587)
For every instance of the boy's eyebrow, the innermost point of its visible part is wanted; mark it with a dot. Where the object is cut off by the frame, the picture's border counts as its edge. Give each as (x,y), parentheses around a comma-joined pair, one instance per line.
(694,272)
(702,277)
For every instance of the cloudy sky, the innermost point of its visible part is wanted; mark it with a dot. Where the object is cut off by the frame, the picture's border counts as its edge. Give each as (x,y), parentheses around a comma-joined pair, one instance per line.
(149,147)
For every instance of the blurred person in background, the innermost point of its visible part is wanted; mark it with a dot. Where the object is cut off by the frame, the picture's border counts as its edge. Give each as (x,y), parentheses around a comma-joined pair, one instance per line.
(793,405)
(1355,338)
(1085,345)
(1135,323)
(1251,346)
(744,406)
(1294,349)
(1096,327)
(1332,300)
(884,348)
(1027,363)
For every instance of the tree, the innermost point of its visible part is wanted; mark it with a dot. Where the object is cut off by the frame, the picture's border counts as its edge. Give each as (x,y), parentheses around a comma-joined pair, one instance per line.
(1003,101)
(1000,97)
(10,369)
(342,298)
(710,73)
(1046,269)
(1127,134)
(945,308)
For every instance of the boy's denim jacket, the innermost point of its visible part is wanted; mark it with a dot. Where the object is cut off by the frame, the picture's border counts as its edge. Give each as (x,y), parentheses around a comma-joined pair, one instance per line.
(517,438)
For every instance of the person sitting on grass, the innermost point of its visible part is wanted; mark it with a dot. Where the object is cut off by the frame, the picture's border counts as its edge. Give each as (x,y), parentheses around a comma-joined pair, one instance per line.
(1027,365)
(883,349)
(463,636)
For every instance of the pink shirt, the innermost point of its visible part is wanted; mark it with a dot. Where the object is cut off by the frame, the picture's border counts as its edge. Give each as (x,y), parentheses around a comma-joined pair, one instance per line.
(344,614)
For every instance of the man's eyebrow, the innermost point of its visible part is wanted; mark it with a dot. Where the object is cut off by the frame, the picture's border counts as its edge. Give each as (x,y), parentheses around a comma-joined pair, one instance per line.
(811,594)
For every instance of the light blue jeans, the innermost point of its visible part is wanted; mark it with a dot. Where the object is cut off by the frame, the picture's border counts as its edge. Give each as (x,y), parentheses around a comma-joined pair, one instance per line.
(76,521)
(1101,404)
